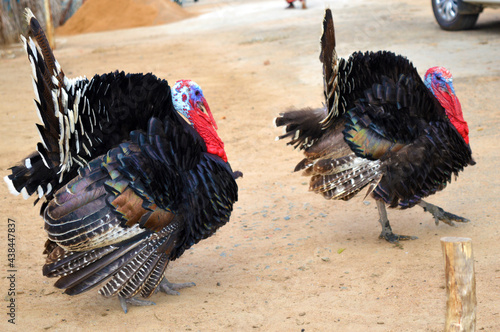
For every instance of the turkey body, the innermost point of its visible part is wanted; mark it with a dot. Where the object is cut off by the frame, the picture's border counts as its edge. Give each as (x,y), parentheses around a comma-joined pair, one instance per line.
(128,181)
(382,127)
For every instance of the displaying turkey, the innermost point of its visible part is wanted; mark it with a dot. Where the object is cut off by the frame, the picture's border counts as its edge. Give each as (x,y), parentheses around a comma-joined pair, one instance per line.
(382,127)
(132,174)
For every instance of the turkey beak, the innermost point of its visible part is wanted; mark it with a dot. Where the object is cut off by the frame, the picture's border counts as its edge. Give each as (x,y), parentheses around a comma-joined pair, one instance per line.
(206,109)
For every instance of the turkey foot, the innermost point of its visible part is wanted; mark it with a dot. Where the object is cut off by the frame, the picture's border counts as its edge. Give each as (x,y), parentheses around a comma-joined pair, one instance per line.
(387,233)
(391,237)
(133,301)
(440,214)
(164,286)
(171,288)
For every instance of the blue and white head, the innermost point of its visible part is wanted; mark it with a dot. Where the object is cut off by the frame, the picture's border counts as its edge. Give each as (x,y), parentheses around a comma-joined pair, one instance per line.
(188,100)
(439,79)
(190,103)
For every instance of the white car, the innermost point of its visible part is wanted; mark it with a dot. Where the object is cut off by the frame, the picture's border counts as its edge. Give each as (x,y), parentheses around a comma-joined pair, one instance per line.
(460,14)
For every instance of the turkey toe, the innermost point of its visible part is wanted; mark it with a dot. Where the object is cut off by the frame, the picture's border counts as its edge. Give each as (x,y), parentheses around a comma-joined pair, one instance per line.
(171,288)
(395,238)
(133,301)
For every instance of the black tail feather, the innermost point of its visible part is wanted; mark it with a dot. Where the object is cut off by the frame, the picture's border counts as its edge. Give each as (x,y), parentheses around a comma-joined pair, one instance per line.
(301,126)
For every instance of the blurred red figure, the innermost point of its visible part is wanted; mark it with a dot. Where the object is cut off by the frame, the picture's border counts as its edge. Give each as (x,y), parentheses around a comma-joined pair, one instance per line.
(291,5)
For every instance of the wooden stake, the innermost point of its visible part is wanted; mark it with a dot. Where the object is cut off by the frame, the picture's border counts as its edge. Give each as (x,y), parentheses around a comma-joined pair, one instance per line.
(50,26)
(460,284)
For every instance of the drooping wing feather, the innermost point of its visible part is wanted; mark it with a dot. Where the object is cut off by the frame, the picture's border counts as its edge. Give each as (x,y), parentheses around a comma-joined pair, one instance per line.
(106,214)
(89,239)
(344,177)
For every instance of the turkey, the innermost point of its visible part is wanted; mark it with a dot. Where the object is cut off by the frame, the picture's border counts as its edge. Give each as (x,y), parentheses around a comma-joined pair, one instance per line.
(131,173)
(382,128)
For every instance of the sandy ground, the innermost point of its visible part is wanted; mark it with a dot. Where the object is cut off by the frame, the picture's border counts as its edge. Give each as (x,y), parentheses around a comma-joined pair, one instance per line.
(288,260)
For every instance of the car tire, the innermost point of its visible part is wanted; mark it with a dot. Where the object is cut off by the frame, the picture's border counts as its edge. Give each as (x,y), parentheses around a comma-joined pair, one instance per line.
(448,17)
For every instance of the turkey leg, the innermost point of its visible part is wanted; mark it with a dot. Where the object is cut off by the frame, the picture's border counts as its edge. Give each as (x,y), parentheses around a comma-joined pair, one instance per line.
(387,233)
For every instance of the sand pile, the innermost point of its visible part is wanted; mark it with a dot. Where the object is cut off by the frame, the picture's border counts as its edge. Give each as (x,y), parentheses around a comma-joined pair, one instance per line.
(104,15)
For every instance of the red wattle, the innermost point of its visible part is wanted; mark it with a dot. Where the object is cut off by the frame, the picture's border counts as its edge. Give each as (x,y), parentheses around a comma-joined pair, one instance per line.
(453,109)
(203,124)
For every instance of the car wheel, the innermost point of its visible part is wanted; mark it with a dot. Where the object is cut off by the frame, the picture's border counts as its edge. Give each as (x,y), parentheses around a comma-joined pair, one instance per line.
(448,17)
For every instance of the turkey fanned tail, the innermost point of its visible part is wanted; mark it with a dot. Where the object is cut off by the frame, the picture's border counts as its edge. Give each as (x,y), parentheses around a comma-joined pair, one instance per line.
(80,118)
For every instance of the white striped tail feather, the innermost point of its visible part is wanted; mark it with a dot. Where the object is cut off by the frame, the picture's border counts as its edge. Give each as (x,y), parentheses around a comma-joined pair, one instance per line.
(336,106)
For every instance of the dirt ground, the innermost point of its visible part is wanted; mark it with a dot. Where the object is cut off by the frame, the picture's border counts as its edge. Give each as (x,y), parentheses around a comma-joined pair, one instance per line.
(288,260)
